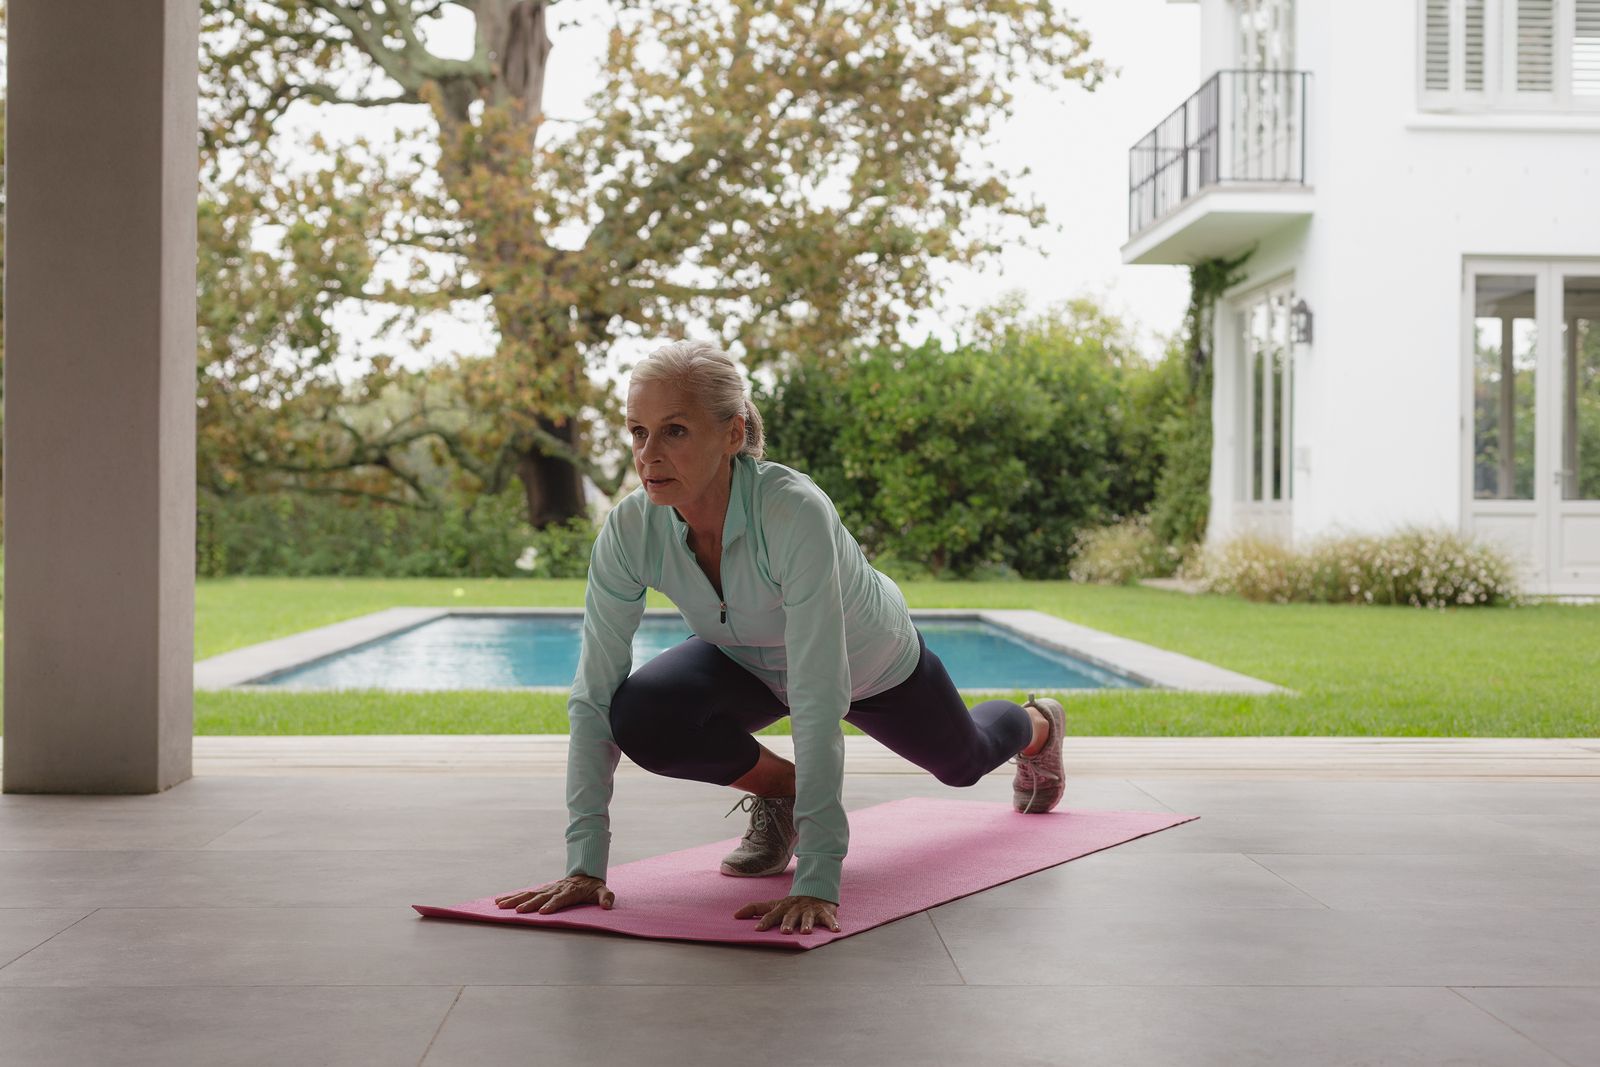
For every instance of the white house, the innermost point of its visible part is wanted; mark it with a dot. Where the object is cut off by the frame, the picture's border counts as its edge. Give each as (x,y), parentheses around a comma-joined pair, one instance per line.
(1417,336)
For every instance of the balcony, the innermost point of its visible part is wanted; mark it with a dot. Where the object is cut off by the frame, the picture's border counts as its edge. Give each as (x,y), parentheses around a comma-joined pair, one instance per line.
(1224,170)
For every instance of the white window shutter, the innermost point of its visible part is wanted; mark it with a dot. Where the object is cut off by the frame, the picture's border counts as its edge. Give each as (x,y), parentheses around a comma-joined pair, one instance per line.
(1536,40)
(1586,49)
(1474,43)
(1436,49)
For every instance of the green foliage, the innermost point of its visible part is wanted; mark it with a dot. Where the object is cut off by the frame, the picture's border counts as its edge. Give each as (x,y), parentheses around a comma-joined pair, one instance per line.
(988,455)
(298,535)
(1183,491)
(1121,553)
(680,199)
(560,550)
(1415,566)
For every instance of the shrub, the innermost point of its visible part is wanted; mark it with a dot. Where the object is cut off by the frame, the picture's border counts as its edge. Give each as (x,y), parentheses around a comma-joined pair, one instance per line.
(986,458)
(1251,567)
(1420,567)
(297,535)
(950,459)
(559,551)
(1121,553)
(1182,502)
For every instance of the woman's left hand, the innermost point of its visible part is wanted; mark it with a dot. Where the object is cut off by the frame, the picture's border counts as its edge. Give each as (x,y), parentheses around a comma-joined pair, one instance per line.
(792,912)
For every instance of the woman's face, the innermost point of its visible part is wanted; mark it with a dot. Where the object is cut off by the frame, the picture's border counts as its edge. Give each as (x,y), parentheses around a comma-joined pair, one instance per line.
(679,448)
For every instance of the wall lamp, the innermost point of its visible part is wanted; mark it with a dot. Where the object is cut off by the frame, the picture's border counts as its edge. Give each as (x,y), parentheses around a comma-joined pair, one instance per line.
(1300,323)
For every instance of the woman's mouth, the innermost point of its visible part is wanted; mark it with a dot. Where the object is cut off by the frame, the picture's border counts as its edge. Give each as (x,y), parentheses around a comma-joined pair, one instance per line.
(656,483)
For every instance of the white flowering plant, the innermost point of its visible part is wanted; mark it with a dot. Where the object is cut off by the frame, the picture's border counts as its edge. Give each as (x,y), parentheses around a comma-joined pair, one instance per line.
(1425,568)
(1121,553)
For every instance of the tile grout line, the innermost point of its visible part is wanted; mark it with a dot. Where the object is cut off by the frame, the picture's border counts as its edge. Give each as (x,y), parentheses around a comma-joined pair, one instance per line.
(1152,796)
(437,1030)
(1527,1037)
(1309,896)
(51,938)
(940,935)
(224,833)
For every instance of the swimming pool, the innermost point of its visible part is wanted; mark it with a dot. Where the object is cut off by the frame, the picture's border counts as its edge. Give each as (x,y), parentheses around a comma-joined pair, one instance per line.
(462,650)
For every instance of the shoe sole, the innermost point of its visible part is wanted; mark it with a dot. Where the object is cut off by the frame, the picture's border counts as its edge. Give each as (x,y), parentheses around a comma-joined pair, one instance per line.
(755,874)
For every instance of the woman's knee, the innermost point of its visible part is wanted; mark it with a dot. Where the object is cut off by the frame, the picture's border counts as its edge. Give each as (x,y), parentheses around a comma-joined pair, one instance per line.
(633,726)
(961,776)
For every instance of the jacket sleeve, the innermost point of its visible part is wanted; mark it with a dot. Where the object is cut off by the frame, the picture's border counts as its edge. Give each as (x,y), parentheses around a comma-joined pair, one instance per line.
(807,557)
(613,603)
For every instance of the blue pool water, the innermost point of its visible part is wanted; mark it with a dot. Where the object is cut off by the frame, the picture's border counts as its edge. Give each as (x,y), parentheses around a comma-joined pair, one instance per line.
(508,651)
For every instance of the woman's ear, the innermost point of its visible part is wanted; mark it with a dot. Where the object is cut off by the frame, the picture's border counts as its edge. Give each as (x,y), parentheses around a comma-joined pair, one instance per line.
(736,433)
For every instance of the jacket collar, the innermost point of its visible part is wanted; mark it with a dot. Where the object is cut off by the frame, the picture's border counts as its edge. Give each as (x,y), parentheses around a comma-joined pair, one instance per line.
(733,525)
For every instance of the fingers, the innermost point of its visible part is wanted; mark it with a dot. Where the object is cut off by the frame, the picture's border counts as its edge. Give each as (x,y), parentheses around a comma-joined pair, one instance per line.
(800,917)
(528,899)
(789,914)
(536,901)
(511,900)
(553,896)
(564,898)
(756,910)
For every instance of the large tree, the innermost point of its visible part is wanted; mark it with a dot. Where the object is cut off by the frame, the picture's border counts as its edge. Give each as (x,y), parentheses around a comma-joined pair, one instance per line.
(778,175)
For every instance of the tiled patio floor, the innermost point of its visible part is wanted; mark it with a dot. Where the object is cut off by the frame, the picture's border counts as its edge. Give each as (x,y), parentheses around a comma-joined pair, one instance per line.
(262,918)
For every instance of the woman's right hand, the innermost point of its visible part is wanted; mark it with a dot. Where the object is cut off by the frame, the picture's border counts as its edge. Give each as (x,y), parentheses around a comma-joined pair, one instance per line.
(563,893)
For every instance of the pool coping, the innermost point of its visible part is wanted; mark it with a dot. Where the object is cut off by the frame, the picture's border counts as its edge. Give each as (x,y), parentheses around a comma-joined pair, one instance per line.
(1156,668)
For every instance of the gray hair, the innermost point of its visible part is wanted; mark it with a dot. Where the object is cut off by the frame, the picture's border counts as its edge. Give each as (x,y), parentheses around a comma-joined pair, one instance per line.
(711,376)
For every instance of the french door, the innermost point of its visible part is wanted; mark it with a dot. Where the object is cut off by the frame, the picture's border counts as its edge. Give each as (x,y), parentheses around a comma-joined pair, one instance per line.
(1531,424)
(1265,476)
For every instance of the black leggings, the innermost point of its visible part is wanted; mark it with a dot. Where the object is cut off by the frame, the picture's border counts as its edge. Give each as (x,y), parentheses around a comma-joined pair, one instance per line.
(690,713)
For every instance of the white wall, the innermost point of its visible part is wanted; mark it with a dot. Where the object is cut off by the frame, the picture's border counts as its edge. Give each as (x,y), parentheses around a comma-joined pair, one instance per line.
(1217,36)
(1399,204)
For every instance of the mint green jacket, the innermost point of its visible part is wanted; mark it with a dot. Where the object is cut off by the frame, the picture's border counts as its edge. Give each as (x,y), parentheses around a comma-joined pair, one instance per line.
(804,612)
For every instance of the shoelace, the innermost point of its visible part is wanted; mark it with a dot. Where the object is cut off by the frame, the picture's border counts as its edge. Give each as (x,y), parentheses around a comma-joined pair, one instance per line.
(1032,762)
(758,813)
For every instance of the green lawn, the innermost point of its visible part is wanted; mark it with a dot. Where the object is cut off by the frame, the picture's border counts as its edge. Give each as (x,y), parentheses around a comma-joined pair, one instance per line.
(1508,672)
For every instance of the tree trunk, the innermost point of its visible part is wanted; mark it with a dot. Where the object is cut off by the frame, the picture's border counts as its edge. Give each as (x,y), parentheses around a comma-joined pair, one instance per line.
(516,35)
(553,487)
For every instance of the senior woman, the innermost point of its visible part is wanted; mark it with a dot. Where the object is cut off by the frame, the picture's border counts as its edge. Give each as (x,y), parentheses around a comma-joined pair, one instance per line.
(788,618)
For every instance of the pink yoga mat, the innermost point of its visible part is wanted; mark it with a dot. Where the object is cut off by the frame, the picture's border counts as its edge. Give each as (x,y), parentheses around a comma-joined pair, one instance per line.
(905,856)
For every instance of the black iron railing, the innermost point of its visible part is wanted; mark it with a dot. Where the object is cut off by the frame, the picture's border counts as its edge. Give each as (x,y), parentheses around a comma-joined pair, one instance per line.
(1240,126)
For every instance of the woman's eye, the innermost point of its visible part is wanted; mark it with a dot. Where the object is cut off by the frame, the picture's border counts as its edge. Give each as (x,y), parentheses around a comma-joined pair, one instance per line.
(677,431)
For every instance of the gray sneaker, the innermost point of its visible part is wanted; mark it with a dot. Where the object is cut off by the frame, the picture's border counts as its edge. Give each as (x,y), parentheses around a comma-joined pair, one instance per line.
(768,845)
(1040,781)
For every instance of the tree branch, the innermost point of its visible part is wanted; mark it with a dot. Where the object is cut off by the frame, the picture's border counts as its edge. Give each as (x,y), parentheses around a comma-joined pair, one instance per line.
(329,95)
(411,66)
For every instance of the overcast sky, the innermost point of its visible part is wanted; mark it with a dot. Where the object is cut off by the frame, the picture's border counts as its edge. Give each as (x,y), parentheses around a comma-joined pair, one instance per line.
(1074,142)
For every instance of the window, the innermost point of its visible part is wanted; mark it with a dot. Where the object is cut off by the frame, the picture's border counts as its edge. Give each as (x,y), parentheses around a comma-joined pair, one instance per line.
(1266,34)
(1504,339)
(1268,398)
(1510,54)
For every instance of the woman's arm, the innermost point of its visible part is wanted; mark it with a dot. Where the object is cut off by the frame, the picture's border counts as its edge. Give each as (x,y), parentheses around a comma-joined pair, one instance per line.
(805,556)
(613,603)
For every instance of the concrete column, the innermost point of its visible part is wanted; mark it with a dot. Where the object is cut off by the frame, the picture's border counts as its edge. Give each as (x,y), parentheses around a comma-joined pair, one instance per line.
(101,176)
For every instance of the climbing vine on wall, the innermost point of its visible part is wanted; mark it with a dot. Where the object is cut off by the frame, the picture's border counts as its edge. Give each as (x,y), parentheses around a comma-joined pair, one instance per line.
(1178,515)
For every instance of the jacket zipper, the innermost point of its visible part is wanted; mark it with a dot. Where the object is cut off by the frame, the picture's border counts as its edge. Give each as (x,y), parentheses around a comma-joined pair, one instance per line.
(722,604)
